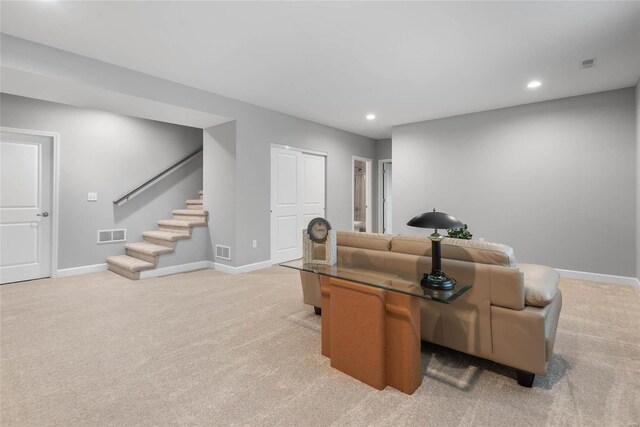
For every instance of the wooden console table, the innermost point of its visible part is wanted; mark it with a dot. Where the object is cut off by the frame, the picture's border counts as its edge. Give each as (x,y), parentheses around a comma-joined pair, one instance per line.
(371,322)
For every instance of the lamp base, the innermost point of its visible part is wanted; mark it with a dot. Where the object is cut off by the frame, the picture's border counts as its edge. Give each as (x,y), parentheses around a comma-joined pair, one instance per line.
(438,282)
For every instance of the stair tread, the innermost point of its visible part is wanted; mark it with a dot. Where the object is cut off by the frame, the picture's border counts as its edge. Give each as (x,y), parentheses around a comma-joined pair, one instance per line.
(148,248)
(171,230)
(129,263)
(190,212)
(180,223)
(165,235)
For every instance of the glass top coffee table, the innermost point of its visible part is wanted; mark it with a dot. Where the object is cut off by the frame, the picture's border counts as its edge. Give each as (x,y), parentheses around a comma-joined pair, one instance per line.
(371,321)
(404,283)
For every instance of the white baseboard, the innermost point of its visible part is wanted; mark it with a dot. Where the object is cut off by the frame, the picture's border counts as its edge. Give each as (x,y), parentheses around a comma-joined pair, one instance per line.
(243,268)
(65,272)
(182,268)
(174,269)
(597,277)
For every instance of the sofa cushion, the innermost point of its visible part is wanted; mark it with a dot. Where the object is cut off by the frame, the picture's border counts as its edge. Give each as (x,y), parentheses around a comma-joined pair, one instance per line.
(458,249)
(355,239)
(540,284)
(412,245)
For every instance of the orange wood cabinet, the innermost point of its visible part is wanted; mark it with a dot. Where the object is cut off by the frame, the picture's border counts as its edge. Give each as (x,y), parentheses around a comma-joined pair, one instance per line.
(372,334)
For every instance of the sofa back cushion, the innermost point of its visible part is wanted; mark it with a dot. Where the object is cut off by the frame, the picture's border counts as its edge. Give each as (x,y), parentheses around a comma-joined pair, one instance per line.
(362,258)
(464,325)
(457,249)
(373,241)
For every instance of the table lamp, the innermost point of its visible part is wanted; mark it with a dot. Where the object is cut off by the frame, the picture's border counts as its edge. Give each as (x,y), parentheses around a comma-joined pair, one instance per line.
(436,220)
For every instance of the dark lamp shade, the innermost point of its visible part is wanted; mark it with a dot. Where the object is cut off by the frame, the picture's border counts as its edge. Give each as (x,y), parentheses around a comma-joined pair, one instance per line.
(439,220)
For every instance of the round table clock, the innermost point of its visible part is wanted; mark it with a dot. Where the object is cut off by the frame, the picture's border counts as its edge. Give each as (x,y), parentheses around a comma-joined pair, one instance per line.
(319,232)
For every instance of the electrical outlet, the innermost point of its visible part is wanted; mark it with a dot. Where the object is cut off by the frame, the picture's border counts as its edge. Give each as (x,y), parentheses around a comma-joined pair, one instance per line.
(255,243)
(92,197)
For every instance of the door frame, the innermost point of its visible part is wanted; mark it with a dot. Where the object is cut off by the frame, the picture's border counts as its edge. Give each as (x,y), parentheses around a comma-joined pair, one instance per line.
(380,197)
(368,193)
(55,187)
(304,151)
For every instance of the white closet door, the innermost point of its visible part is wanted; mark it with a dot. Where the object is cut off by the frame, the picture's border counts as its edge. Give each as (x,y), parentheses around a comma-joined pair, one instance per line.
(25,202)
(313,170)
(297,196)
(286,197)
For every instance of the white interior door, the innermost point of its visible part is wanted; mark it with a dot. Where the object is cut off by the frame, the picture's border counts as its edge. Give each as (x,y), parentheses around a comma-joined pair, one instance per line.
(286,189)
(297,196)
(26,165)
(313,197)
(386,197)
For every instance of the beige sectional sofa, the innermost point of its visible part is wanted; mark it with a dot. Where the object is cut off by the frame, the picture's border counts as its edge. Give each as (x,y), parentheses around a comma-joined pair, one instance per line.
(509,316)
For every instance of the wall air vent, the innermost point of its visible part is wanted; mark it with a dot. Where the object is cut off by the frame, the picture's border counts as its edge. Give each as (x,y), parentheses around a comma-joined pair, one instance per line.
(588,63)
(112,236)
(223,252)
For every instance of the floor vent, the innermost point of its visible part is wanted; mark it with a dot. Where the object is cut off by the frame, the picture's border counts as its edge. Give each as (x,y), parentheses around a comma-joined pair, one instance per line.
(112,236)
(223,252)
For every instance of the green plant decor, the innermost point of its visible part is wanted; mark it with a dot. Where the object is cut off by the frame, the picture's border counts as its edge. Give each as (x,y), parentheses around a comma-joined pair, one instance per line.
(460,233)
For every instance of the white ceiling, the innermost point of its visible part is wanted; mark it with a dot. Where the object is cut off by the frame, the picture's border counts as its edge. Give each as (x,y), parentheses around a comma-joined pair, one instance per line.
(335,62)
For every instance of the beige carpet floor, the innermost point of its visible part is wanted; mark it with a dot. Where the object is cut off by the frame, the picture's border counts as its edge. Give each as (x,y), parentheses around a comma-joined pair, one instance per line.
(205,348)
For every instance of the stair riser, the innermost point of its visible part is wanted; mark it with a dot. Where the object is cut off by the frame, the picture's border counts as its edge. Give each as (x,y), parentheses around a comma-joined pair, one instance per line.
(160,242)
(149,258)
(190,218)
(174,229)
(125,273)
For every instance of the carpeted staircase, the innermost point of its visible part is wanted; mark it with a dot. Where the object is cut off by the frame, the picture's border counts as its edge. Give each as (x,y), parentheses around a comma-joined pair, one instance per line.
(144,255)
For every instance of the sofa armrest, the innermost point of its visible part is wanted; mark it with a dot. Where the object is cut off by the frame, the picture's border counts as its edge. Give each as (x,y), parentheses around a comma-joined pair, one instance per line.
(507,288)
(540,284)
(524,339)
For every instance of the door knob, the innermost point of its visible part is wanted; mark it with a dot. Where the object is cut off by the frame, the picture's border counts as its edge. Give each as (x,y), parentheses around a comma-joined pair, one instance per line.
(44,214)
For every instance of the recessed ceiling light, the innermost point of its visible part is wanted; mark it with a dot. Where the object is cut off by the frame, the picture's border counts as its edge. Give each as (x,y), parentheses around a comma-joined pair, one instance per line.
(371,116)
(534,84)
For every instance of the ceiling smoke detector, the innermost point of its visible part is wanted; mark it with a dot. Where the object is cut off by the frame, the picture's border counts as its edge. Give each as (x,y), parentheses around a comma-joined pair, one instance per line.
(588,63)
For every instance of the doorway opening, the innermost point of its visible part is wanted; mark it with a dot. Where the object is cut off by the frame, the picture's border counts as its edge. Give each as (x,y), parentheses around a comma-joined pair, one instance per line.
(361,194)
(385,196)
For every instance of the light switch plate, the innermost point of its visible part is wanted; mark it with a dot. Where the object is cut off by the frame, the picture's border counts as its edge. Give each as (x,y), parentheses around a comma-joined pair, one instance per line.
(92,197)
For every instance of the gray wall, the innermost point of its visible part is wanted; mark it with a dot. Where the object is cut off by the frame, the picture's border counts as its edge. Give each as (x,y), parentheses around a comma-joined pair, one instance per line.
(109,154)
(255,129)
(555,180)
(638,180)
(383,149)
(219,180)
(255,133)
